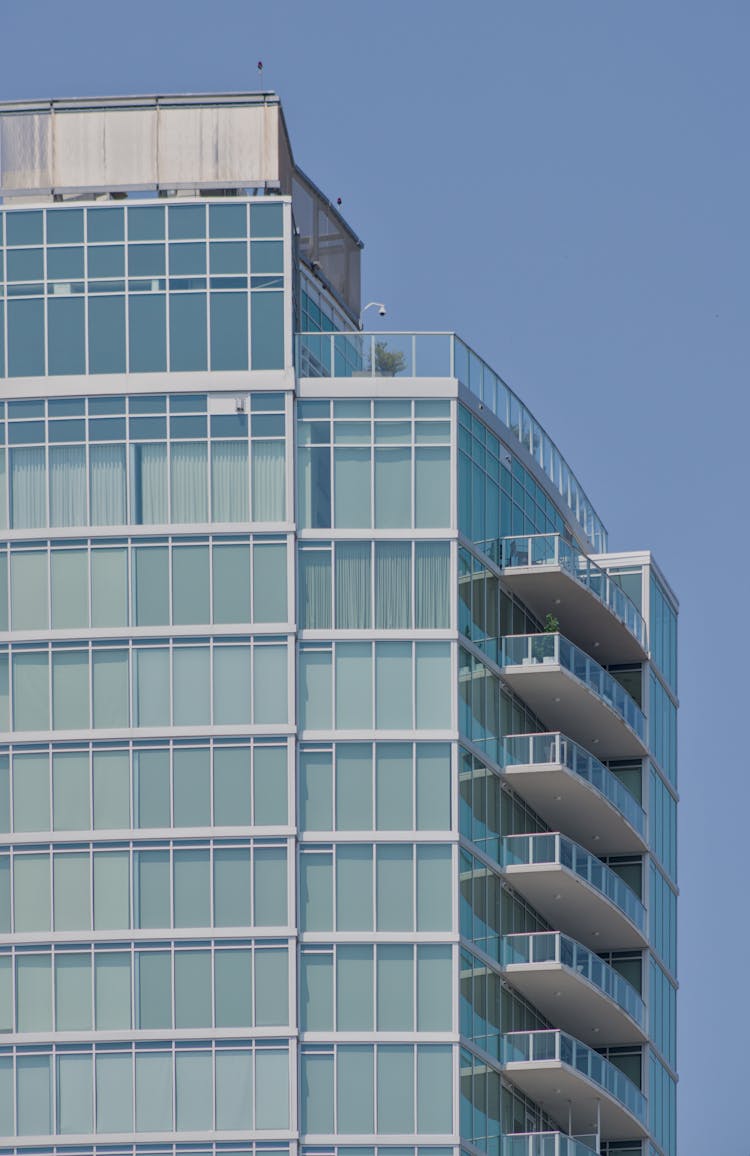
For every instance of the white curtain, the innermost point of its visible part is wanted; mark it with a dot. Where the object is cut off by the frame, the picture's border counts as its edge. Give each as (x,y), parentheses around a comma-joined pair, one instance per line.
(28,477)
(432,585)
(269,504)
(353,595)
(392,585)
(67,485)
(189,482)
(107,468)
(230,490)
(148,479)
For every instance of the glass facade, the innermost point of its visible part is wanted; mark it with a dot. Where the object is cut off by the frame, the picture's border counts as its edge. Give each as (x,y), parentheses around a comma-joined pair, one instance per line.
(276,830)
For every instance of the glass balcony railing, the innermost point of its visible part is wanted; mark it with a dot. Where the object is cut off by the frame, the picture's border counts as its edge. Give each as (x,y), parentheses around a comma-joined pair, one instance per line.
(533,649)
(554,848)
(553,550)
(554,947)
(548,1144)
(357,354)
(555,748)
(530,1047)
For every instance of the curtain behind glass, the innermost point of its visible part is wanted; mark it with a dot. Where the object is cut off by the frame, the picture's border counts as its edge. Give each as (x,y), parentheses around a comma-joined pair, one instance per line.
(189,482)
(107,466)
(28,504)
(315,589)
(230,492)
(149,484)
(392,585)
(67,485)
(353,586)
(432,585)
(268,482)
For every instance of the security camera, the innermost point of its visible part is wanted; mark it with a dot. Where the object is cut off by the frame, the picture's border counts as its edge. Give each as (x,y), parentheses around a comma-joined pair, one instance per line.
(381,311)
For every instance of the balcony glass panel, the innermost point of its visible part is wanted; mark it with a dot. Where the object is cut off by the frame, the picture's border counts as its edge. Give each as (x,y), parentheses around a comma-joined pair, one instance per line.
(530,1047)
(558,749)
(547,1144)
(552,550)
(554,947)
(554,848)
(535,649)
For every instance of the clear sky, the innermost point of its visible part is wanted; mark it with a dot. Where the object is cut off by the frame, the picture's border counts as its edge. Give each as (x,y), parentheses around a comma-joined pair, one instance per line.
(566,183)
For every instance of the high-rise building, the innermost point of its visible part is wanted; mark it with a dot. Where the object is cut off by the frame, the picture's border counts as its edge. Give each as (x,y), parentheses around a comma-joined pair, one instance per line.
(338,755)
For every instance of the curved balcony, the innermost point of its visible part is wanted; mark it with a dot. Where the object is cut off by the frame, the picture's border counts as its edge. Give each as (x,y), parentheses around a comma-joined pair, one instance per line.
(548,1144)
(566,1077)
(571,692)
(574,891)
(550,575)
(574,792)
(574,988)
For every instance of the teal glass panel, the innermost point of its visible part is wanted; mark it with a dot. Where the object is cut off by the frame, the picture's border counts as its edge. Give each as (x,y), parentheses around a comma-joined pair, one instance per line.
(394,786)
(270,786)
(353,585)
(395,888)
(227,220)
(395,1089)
(190,585)
(186,221)
(70,690)
(72,891)
(34,993)
(4,893)
(29,590)
(229,331)
(316,991)
(266,257)
(315,791)
(271,987)
(432,585)
(107,345)
(193,1005)
(105,224)
(151,788)
(109,587)
(153,1091)
(353,685)
(31,801)
(316,1092)
(269,582)
(151,586)
(229,258)
(111,780)
(395,987)
(151,687)
(192,788)
(432,487)
(231,583)
(114,1092)
(5,824)
(110,682)
(392,487)
(354,787)
(270,676)
(66,335)
(33,1095)
(315,692)
(73,992)
(234,1000)
(191,685)
(354,887)
(112,991)
(111,891)
(71,791)
(64,226)
(234,1091)
(147,316)
(192,888)
(434,1090)
(28,482)
(188,334)
(230,489)
(154,989)
(194,1101)
(393,685)
(232,787)
(355,1074)
(231,684)
(352,486)
(144,223)
(268,481)
(26,338)
(70,589)
(148,484)
(433,689)
(31,691)
(316,891)
(231,887)
(267,330)
(67,486)
(393,585)
(189,479)
(434,990)
(267,221)
(151,896)
(270,887)
(434,888)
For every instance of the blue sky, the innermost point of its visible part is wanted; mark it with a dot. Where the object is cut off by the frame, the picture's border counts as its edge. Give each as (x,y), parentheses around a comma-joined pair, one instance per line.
(566,184)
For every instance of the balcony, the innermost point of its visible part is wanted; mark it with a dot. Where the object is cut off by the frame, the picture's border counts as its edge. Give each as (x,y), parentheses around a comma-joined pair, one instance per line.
(574,1083)
(571,692)
(574,891)
(574,988)
(548,1144)
(551,576)
(574,792)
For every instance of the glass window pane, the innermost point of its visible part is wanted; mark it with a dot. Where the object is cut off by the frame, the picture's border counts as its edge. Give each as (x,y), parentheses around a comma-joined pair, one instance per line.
(392,585)
(153,1092)
(190,585)
(188,338)
(314,589)
(33,1095)
(109,587)
(229,331)
(270,887)
(192,989)
(34,993)
(393,686)
(151,788)
(192,788)
(111,890)
(151,686)
(234,1091)
(28,488)
(230,487)
(395,1088)
(31,809)
(70,589)
(111,790)
(351,476)
(232,787)
(434,1089)
(354,685)
(231,591)
(194,1093)
(26,338)
(148,333)
(231,887)
(192,888)
(70,690)
(316,1093)
(432,486)
(354,887)
(393,487)
(66,339)
(316,991)
(354,988)
(233,971)
(267,330)
(114,1092)
(110,679)
(269,786)
(393,779)
(315,791)
(31,691)
(395,987)
(354,787)
(395,885)
(270,676)
(432,585)
(316,891)
(434,993)
(433,680)
(433,786)
(28,590)
(67,486)
(271,1088)
(315,691)
(191,685)
(71,806)
(355,1073)
(271,987)
(31,892)
(153,989)
(268,482)
(148,484)
(73,992)
(151,895)
(106,333)
(112,990)
(189,481)
(231,684)
(151,586)
(269,582)
(72,889)
(434,888)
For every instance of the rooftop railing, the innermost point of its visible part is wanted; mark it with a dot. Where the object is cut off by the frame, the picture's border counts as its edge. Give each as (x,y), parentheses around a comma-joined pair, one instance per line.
(548,1144)
(557,749)
(554,848)
(533,649)
(553,550)
(357,354)
(554,947)
(530,1047)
